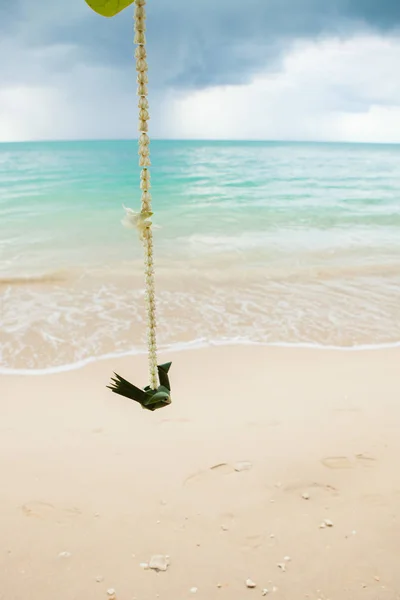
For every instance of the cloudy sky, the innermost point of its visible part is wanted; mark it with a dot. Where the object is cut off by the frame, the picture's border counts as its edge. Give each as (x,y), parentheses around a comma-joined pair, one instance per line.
(219,69)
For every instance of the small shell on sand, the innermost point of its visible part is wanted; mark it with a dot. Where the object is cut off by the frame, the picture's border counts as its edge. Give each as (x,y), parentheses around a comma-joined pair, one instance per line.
(159,562)
(250,584)
(326,523)
(264,592)
(193,590)
(244,465)
(64,555)
(99,578)
(111,593)
(281,566)
(305,496)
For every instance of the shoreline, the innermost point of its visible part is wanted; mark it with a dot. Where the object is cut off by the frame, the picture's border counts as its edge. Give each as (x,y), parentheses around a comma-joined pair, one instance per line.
(194,346)
(51,328)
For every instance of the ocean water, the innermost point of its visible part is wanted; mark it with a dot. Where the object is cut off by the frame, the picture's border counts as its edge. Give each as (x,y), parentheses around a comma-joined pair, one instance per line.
(272,243)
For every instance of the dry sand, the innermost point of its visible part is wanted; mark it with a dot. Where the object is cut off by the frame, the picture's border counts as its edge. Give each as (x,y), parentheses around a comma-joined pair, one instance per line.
(90,474)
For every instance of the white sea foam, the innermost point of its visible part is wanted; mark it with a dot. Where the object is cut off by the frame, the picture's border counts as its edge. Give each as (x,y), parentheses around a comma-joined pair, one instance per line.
(197,345)
(271,244)
(50,327)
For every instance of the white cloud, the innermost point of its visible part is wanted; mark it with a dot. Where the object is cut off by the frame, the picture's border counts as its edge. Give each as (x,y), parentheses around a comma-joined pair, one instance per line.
(379,124)
(25,112)
(327,90)
(82,103)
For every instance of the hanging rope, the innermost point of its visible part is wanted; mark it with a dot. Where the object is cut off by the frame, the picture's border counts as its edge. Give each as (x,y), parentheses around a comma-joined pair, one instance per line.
(144,161)
(157,393)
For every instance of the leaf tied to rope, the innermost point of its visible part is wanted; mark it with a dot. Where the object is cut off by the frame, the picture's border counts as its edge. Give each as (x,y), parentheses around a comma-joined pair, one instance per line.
(109,8)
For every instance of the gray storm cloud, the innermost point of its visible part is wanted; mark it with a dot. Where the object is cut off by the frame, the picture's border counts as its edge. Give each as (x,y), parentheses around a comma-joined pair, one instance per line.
(64,69)
(194,43)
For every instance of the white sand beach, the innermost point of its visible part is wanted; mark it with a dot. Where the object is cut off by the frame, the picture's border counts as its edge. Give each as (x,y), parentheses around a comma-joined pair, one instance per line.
(93,486)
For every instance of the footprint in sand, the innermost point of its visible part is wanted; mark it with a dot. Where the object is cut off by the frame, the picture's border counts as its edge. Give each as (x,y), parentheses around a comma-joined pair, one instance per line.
(214,471)
(343,462)
(222,468)
(314,485)
(337,462)
(45,510)
(365,461)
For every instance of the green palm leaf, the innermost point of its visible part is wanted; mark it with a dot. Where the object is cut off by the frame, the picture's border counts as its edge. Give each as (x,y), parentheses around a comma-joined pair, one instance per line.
(109,8)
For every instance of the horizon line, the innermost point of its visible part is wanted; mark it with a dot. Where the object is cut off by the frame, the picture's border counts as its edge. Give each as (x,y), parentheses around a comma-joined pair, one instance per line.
(199,140)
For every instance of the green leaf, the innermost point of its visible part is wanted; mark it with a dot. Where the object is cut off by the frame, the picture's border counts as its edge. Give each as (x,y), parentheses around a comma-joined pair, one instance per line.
(158,395)
(163,375)
(149,399)
(109,8)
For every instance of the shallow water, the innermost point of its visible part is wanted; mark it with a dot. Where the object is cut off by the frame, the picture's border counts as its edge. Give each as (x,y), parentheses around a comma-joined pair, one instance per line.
(258,242)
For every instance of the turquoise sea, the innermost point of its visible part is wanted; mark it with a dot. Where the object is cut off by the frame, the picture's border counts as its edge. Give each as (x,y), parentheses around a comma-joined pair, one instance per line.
(272,243)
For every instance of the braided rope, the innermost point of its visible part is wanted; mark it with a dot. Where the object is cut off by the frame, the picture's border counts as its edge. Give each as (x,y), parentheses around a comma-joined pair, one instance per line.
(144,162)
